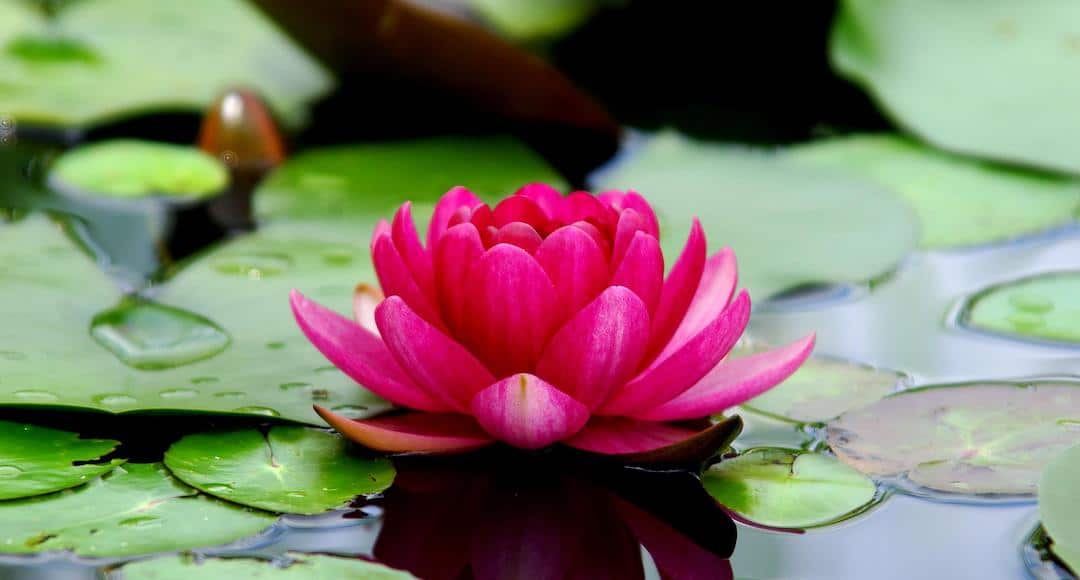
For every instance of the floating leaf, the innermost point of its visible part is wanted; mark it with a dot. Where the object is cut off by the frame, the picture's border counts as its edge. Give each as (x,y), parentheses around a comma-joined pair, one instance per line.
(978,438)
(960,202)
(129,168)
(36,460)
(532,20)
(787,488)
(789,224)
(1059,505)
(102,59)
(135,509)
(298,567)
(289,469)
(1043,307)
(994,79)
(760,430)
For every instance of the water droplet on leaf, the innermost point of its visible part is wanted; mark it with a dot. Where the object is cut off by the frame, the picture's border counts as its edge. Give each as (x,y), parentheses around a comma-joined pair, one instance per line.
(115,400)
(257,410)
(151,336)
(178,393)
(350,411)
(9,471)
(35,396)
(254,265)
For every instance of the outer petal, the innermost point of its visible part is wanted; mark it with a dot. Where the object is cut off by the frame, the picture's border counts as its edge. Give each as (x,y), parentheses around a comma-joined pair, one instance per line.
(713,294)
(576,265)
(396,279)
(511,311)
(411,432)
(629,224)
(679,289)
(667,377)
(527,412)
(448,204)
(734,381)
(365,299)
(455,253)
(359,354)
(599,348)
(418,260)
(519,234)
(621,436)
(642,269)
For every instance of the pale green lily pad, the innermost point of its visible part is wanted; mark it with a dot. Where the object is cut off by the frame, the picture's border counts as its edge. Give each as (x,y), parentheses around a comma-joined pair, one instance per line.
(1059,505)
(130,169)
(1045,307)
(295,470)
(994,78)
(103,59)
(788,224)
(136,509)
(760,430)
(533,20)
(37,460)
(268,368)
(371,181)
(298,567)
(976,439)
(789,489)
(960,202)
(821,389)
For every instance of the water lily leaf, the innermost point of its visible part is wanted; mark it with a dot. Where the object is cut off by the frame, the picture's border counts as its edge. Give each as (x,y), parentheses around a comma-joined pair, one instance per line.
(1043,307)
(977,439)
(241,288)
(532,20)
(36,460)
(370,181)
(789,489)
(821,389)
(960,202)
(135,509)
(993,79)
(298,567)
(102,59)
(289,469)
(789,224)
(129,168)
(1059,505)
(760,430)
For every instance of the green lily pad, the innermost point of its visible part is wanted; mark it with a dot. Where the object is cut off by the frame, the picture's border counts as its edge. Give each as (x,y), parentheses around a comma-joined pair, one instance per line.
(103,59)
(136,509)
(36,460)
(789,489)
(295,470)
(1059,505)
(976,439)
(534,20)
(821,389)
(960,202)
(760,430)
(267,369)
(1043,307)
(129,168)
(298,567)
(993,79)
(789,225)
(371,181)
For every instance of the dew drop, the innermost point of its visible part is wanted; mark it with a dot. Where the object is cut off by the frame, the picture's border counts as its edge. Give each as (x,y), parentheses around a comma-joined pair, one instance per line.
(114,400)
(1069,424)
(1030,302)
(254,265)
(9,471)
(294,386)
(256,410)
(218,488)
(350,411)
(141,522)
(1025,321)
(11,355)
(275,345)
(296,494)
(204,380)
(178,394)
(320,394)
(229,395)
(35,396)
(337,256)
(151,336)
(326,369)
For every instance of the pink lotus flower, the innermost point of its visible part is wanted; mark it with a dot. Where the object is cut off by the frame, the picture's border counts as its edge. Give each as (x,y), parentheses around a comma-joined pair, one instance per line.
(546,319)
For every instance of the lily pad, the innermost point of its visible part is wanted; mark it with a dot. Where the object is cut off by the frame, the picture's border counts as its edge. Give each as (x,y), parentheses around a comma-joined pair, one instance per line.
(295,470)
(36,460)
(821,389)
(1059,505)
(789,224)
(789,489)
(267,368)
(1045,307)
(136,509)
(993,79)
(371,180)
(297,567)
(533,20)
(976,439)
(130,169)
(103,59)
(960,202)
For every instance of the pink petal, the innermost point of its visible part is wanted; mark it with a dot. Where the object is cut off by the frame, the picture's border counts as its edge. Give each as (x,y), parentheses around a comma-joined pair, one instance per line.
(629,224)
(547,198)
(511,311)
(455,253)
(359,354)
(602,242)
(582,206)
(411,432)
(642,269)
(667,377)
(575,264)
(679,289)
(676,556)
(519,234)
(447,205)
(632,200)
(733,382)
(621,436)
(525,411)
(520,209)
(713,294)
(435,361)
(365,299)
(418,260)
(599,348)
(396,279)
